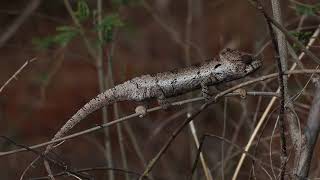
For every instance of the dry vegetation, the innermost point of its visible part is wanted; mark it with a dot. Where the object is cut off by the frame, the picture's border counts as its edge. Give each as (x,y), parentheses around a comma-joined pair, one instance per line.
(65,57)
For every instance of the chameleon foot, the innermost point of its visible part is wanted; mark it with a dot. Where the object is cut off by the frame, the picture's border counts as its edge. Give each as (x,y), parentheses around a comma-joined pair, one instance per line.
(141,110)
(164,103)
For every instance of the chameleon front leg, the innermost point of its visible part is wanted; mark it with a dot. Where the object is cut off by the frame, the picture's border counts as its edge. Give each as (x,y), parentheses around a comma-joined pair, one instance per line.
(163,101)
(205,91)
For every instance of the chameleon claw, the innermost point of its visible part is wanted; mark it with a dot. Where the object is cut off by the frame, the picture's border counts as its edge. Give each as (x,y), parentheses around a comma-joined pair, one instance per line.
(164,103)
(141,110)
(242,93)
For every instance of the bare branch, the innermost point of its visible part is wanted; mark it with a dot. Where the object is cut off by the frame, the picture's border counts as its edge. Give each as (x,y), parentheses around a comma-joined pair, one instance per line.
(14,76)
(11,30)
(179,103)
(270,104)
(47,158)
(102,168)
(310,137)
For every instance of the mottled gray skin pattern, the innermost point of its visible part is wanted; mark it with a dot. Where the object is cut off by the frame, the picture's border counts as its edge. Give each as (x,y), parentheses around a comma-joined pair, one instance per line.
(229,65)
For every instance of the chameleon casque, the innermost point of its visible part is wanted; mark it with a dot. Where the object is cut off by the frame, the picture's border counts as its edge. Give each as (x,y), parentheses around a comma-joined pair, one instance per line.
(227,66)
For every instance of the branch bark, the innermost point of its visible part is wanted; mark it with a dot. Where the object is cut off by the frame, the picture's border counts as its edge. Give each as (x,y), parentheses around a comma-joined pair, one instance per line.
(310,136)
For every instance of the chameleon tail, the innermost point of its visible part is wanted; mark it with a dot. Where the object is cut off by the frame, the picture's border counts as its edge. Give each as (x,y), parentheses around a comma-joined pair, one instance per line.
(103,99)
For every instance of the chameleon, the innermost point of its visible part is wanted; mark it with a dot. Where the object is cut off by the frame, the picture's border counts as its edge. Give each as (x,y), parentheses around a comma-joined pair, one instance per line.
(229,65)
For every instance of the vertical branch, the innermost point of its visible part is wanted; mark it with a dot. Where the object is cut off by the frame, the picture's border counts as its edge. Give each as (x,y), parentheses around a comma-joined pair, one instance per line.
(310,137)
(280,47)
(188,30)
(102,88)
(116,110)
(223,135)
(293,127)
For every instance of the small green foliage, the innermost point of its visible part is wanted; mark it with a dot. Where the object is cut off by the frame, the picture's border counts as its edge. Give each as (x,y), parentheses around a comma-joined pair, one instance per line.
(43,43)
(64,35)
(107,26)
(43,77)
(303,37)
(125,2)
(83,11)
(306,9)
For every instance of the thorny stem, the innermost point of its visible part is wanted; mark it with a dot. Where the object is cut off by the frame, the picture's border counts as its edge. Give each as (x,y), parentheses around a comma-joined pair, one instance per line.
(281,56)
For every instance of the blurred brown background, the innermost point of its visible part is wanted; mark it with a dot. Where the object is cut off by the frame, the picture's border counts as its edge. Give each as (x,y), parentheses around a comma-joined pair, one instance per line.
(52,88)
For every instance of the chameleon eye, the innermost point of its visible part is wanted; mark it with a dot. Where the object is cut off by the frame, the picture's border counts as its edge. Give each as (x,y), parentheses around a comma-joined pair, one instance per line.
(216,66)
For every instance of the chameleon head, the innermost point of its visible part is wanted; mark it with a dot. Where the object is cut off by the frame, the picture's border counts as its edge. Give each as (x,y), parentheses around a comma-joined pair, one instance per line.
(236,64)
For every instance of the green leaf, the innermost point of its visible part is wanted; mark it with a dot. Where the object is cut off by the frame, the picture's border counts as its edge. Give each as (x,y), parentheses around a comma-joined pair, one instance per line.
(43,43)
(83,11)
(65,35)
(306,9)
(303,37)
(126,2)
(107,26)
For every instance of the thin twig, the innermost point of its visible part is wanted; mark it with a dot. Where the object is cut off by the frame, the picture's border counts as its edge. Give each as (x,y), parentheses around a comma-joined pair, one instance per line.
(202,159)
(102,88)
(92,169)
(116,109)
(225,106)
(195,114)
(174,34)
(58,164)
(289,36)
(269,106)
(178,103)
(14,26)
(187,52)
(89,46)
(203,138)
(14,76)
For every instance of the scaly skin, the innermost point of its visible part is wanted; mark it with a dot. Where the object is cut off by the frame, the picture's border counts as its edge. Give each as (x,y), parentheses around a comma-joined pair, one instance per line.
(229,65)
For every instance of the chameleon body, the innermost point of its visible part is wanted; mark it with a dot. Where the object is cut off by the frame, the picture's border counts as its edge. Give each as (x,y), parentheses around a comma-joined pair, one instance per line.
(227,66)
